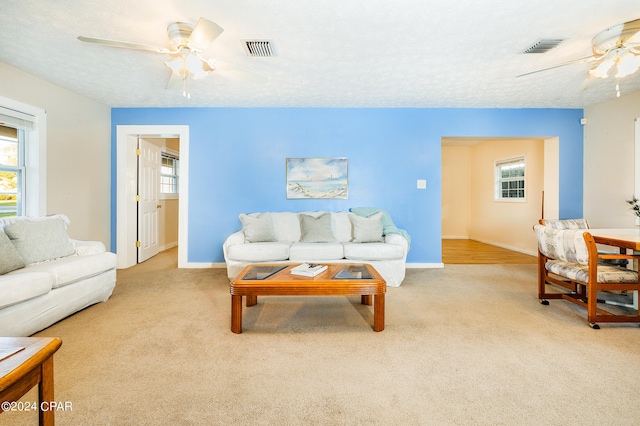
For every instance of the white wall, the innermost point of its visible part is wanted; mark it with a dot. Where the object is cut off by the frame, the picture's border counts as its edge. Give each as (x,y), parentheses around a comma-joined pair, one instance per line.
(609,137)
(78,152)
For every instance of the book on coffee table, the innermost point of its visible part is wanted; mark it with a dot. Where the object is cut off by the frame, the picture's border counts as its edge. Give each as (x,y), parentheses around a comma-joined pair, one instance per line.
(308,269)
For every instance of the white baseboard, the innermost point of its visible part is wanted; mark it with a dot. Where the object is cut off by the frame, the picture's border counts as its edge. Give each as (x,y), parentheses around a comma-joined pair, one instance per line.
(417,265)
(508,247)
(169,246)
(203,265)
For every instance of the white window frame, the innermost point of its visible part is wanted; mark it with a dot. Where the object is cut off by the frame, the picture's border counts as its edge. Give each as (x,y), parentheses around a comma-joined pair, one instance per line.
(170,195)
(18,168)
(33,121)
(498,165)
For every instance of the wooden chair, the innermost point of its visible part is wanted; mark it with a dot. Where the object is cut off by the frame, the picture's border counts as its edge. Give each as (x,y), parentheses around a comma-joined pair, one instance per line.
(568,258)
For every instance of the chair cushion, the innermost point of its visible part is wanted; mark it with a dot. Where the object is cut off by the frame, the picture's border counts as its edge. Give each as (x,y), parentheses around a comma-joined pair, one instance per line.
(606,274)
(567,245)
(259,252)
(316,251)
(566,223)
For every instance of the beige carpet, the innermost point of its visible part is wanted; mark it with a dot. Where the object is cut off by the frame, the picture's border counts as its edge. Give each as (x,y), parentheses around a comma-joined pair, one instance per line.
(467,344)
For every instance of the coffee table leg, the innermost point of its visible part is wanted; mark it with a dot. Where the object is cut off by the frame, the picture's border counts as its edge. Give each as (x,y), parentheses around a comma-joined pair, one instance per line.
(236,314)
(378,312)
(252,300)
(45,393)
(365,299)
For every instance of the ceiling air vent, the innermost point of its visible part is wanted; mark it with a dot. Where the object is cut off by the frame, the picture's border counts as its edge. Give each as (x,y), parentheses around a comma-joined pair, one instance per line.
(543,45)
(259,48)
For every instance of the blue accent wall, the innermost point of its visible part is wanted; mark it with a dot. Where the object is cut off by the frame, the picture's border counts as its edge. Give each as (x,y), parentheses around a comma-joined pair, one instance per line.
(238,157)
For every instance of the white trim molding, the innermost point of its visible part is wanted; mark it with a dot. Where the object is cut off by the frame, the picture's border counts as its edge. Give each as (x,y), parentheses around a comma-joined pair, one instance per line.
(126,183)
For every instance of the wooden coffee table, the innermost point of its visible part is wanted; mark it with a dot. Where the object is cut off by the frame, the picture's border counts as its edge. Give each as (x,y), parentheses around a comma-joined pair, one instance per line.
(283,283)
(25,362)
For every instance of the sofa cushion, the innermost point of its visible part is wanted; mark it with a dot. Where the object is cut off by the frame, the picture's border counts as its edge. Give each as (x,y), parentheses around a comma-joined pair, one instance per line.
(257,228)
(367,229)
(20,285)
(42,240)
(259,252)
(316,251)
(373,251)
(316,229)
(10,259)
(70,269)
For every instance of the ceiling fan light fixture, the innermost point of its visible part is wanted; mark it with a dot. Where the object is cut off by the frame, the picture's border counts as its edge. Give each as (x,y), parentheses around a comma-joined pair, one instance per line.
(628,64)
(602,69)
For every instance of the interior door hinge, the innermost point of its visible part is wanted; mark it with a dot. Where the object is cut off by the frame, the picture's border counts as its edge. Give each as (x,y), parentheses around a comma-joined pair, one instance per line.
(137,243)
(137,198)
(138,151)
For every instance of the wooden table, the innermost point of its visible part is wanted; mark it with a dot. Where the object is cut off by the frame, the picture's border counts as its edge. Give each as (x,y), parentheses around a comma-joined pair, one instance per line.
(32,364)
(283,283)
(623,238)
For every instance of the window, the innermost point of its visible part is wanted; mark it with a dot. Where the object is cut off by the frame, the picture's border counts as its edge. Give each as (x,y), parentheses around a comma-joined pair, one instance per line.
(12,171)
(510,179)
(169,174)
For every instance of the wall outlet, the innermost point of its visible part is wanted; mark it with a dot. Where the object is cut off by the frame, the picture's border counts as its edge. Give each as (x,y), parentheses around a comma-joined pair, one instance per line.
(422,184)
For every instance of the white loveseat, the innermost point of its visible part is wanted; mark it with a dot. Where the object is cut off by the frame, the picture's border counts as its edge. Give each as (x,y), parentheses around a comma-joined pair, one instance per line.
(45,276)
(366,236)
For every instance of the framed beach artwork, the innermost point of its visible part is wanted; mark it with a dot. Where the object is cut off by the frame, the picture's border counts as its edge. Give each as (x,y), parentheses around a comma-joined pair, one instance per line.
(317,178)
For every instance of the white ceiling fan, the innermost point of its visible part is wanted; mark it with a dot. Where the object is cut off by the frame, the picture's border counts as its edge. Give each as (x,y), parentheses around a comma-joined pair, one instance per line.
(616,48)
(186,44)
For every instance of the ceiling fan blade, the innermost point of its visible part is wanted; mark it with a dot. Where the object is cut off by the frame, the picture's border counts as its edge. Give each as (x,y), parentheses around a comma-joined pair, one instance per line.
(234,72)
(573,61)
(176,81)
(587,82)
(124,44)
(203,34)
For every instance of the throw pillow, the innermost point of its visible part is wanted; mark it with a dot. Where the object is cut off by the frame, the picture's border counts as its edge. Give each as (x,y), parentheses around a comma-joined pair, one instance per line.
(10,259)
(258,229)
(42,240)
(316,229)
(367,229)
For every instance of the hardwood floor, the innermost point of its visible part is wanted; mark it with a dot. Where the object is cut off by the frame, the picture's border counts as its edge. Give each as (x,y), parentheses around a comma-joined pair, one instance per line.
(475,252)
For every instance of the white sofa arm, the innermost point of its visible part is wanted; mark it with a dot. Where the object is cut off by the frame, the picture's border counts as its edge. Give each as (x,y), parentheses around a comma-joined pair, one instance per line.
(85,248)
(233,239)
(397,239)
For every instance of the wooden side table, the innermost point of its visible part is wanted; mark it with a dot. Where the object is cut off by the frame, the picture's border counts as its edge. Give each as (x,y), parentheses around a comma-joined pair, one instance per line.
(25,362)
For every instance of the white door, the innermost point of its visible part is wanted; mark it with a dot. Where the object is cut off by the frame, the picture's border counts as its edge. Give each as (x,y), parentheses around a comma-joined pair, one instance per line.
(148,202)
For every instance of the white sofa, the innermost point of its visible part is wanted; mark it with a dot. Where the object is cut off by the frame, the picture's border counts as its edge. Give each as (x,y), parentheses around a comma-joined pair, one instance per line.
(320,237)
(45,276)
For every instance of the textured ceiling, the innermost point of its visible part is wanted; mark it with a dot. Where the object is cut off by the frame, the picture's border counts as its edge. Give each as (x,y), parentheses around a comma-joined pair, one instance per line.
(331,53)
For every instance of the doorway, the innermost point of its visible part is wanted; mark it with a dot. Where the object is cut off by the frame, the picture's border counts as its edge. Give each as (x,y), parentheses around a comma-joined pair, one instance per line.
(126,189)
(470,210)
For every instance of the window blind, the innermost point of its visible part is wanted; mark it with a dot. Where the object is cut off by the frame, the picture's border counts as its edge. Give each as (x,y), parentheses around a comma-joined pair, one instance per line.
(17,119)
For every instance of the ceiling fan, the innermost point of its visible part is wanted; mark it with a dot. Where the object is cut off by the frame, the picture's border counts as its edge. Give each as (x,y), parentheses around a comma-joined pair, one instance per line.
(186,44)
(616,48)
